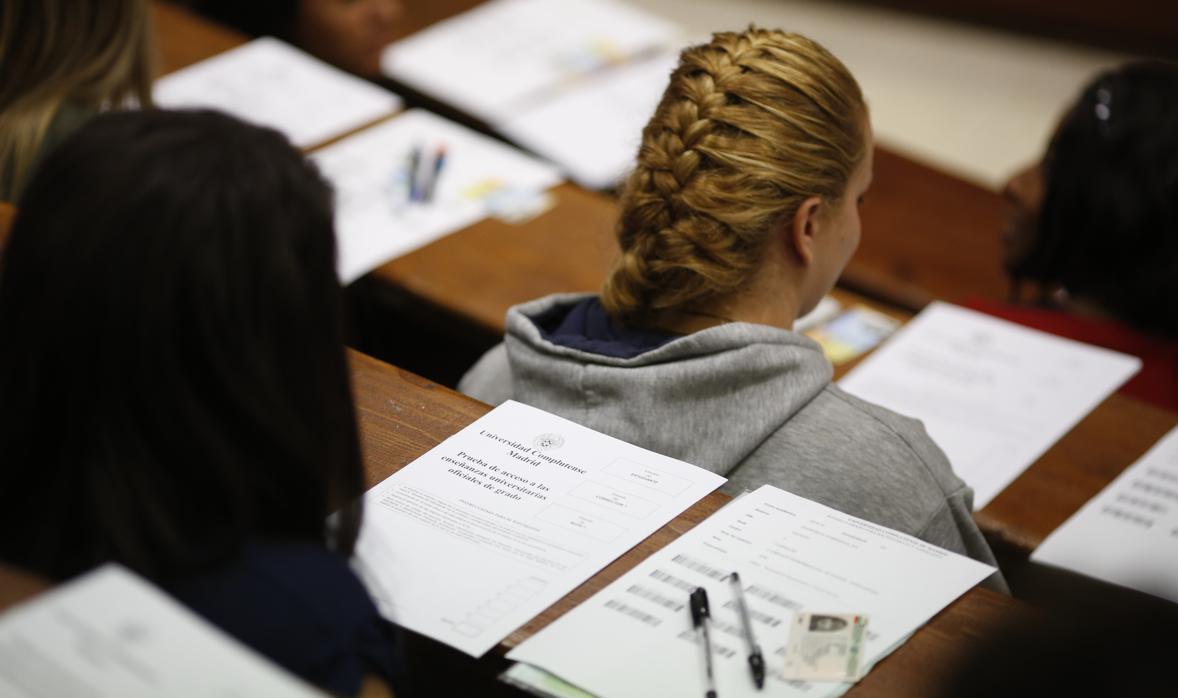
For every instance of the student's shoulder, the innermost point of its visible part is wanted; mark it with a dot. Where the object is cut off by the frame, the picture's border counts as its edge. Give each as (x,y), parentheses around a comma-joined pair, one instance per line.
(302,606)
(284,582)
(860,459)
(865,428)
(490,378)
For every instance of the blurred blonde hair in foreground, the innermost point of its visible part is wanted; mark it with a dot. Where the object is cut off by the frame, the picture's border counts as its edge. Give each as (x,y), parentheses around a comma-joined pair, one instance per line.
(95,54)
(751,125)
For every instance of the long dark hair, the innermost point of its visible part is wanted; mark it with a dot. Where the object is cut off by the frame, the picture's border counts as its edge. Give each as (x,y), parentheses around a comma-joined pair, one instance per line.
(1108,227)
(173,379)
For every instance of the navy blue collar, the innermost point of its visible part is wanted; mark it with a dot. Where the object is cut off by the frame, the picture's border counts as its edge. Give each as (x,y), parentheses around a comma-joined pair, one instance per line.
(586,327)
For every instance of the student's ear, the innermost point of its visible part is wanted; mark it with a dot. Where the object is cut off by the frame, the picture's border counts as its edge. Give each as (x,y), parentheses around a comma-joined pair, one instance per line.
(805,228)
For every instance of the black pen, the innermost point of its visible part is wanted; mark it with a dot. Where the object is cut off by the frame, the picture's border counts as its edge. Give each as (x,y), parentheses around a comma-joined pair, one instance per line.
(756,661)
(700,613)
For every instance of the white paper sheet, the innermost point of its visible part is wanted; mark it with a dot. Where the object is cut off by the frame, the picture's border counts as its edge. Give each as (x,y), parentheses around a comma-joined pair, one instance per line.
(593,128)
(110,634)
(271,83)
(376,222)
(496,523)
(497,58)
(1127,534)
(635,638)
(992,394)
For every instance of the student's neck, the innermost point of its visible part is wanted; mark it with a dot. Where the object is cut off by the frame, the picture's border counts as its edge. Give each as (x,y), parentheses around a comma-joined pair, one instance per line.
(759,308)
(771,297)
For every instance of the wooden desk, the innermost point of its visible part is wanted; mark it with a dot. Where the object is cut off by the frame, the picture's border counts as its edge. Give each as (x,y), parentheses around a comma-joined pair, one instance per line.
(7,214)
(16,586)
(183,38)
(402,416)
(926,235)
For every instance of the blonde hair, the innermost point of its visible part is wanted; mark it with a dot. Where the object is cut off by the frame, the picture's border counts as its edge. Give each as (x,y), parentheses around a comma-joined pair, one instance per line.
(95,54)
(750,126)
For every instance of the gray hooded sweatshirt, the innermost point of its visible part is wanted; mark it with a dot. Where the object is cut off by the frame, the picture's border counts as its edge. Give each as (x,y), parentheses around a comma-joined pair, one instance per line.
(751,402)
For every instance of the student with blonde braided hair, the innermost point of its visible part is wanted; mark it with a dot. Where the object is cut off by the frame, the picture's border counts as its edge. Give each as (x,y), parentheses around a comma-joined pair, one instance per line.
(741,212)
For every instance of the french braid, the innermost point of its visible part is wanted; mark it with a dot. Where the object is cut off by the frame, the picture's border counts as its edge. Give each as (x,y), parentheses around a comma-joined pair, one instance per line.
(751,125)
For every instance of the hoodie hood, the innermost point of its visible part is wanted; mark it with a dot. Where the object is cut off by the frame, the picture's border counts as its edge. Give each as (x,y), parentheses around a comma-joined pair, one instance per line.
(717,394)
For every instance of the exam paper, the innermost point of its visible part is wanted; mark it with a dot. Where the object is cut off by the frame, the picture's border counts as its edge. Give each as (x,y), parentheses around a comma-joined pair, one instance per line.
(1127,534)
(593,128)
(375,219)
(496,59)
(271,83)
(992,394)
(496,523)
(634,639)
(110,634)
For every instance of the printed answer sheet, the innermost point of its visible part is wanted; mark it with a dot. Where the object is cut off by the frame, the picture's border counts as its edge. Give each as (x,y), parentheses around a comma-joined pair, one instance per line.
(1127,534)
(271,83)
(111,634)
(496,59)
(376,218)
(992,394)
(492,526)
(634,639)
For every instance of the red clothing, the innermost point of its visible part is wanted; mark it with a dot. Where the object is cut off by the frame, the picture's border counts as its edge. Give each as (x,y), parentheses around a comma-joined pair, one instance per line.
(1156,383)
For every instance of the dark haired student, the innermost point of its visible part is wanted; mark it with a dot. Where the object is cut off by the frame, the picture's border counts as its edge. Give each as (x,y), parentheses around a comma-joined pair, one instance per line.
(1093,227)
(176,392)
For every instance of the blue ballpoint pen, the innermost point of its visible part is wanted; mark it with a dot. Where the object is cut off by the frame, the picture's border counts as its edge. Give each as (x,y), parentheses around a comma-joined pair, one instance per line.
(435,172)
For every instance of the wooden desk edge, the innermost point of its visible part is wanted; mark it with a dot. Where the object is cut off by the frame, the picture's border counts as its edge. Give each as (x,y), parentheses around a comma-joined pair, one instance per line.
(18,586)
